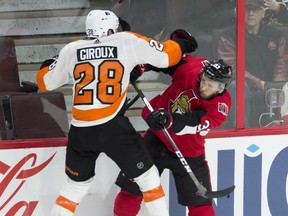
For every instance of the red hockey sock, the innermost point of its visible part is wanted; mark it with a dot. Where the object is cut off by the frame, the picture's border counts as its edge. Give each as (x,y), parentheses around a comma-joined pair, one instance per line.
(205,210)
(127,204)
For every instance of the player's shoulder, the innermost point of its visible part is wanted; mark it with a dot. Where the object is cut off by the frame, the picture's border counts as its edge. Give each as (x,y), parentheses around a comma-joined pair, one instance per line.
(190,57)
(195,60)
(120,38)
(224,97)
(192,64)
(220,103)
(75,43)
(133,36)
(125,35)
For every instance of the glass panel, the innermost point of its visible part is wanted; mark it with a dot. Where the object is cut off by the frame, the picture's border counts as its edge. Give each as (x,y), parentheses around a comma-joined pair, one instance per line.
(226,48)
(266,66)
(206,20)
(39,29)
(147,17)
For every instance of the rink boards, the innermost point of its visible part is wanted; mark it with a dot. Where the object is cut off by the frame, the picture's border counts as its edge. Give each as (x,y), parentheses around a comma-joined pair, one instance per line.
(30,178)
(258,167)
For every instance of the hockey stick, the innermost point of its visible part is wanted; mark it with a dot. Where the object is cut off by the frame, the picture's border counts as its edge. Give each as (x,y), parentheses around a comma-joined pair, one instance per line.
(116,5)
(131,102)
(202,191)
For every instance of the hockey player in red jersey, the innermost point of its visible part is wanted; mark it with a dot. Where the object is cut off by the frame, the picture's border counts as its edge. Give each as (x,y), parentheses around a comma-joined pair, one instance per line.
(100,67)
(195,102)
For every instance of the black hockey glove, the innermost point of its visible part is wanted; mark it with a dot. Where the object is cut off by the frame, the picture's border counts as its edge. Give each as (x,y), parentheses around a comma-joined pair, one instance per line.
(137,71)
(187,42)
(48,62)
(189,119)
(159,119)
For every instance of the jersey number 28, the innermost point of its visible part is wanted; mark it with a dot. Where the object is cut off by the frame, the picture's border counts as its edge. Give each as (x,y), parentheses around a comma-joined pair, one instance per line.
(108,83)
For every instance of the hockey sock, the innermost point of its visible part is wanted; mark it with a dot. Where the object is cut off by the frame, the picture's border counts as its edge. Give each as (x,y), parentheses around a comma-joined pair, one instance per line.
(70,196)
(204,210)
(127,204)
(153,194)
(63,207)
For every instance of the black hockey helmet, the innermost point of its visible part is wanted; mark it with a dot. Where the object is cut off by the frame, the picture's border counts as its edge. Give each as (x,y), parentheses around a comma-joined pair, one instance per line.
(218,71)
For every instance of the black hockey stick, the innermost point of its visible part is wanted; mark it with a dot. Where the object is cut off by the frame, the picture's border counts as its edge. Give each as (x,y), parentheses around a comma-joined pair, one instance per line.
(131,102)
(202,191)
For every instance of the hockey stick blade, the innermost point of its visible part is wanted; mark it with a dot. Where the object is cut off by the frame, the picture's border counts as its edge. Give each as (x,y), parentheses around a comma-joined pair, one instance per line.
(220,193)
(202,191)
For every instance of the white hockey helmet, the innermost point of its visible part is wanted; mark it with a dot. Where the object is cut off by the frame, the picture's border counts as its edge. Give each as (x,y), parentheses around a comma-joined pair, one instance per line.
(98,23)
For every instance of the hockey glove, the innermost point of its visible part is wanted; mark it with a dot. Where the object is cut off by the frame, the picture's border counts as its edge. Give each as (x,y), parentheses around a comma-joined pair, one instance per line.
(137,71)
(185,39)
(48,62)
(187,119)
(159,119)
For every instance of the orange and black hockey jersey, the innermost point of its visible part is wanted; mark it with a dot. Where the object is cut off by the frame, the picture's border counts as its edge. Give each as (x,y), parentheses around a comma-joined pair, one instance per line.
(100,69)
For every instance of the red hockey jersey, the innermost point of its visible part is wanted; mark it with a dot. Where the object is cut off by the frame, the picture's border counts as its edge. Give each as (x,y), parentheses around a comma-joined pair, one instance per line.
(181,97)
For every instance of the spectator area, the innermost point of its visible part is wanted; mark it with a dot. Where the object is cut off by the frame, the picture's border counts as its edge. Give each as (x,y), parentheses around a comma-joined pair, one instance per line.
(41,28)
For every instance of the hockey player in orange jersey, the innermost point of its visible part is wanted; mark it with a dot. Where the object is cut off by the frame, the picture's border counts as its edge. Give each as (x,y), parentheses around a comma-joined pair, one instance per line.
(100,67)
